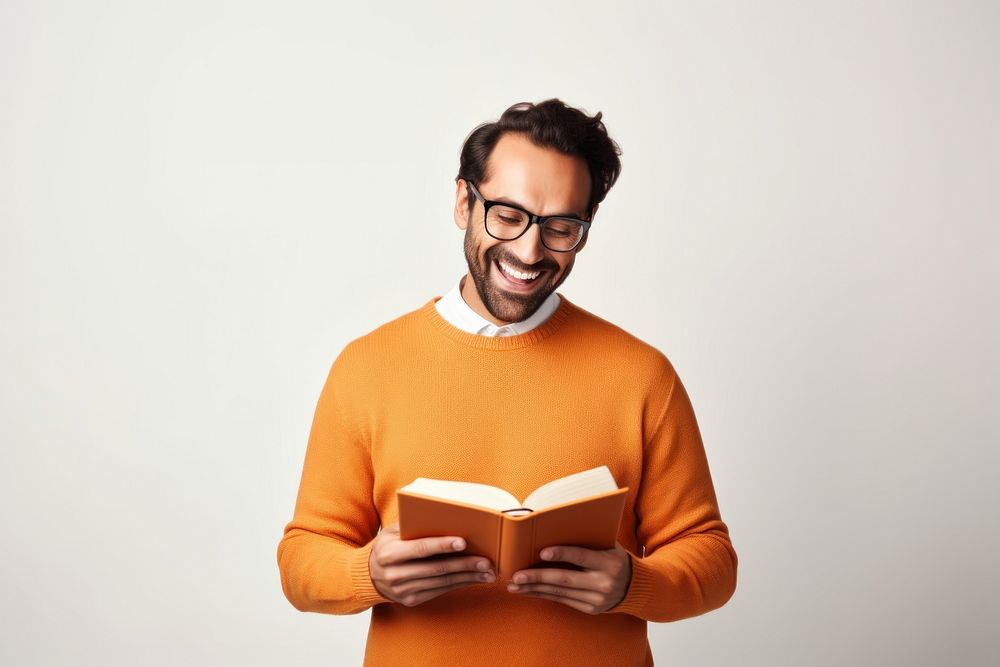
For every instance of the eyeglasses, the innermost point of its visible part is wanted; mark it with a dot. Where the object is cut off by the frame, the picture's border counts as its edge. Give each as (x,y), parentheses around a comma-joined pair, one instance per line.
(506,222)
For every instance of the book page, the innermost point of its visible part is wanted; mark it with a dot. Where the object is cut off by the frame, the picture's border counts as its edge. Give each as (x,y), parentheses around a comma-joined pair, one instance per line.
(472,493)
(572,487)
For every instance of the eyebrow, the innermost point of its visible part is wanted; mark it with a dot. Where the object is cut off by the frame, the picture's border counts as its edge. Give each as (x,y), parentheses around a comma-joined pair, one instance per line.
(571,214)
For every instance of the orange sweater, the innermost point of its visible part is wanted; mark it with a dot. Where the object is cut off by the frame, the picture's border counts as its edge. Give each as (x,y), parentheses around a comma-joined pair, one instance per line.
(418,397)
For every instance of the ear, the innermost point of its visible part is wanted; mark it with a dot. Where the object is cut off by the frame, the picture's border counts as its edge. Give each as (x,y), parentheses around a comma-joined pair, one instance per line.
(461,204)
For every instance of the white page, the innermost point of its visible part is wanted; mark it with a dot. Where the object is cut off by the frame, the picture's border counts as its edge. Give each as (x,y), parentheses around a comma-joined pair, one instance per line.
(472,493)
(572,487)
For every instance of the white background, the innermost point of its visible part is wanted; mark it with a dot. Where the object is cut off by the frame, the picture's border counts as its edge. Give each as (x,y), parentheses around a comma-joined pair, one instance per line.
(202,202)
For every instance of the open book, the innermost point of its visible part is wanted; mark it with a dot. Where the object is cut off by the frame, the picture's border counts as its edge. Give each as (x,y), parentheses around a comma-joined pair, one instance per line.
(582,509)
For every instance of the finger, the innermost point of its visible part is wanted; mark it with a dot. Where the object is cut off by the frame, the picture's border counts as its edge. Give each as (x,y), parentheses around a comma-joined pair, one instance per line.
(587,558)
(569,602)
(591,597)
(557,576)
(400,551)
(430,583)
(420,569)
(414,599)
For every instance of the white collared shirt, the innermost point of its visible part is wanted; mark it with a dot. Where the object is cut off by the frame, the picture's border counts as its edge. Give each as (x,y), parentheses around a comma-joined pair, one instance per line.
(453,308)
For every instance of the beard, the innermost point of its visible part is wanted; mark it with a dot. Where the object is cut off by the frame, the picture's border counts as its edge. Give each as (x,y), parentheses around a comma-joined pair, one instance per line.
(503,304)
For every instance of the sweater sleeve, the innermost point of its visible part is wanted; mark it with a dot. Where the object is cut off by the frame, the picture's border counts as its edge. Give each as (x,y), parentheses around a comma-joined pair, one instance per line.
(689,565)
(323,554)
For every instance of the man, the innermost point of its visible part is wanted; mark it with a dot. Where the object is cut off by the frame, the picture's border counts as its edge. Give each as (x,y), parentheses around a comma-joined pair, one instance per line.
(504,381)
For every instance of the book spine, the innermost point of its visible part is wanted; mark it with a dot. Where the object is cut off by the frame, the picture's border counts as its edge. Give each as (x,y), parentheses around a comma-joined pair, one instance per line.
(515,545)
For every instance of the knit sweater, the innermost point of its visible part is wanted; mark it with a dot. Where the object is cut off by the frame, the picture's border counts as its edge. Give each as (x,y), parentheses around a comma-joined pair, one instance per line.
(418,397)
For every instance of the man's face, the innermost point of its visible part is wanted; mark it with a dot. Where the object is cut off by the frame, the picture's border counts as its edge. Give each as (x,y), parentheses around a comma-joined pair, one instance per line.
(542,181)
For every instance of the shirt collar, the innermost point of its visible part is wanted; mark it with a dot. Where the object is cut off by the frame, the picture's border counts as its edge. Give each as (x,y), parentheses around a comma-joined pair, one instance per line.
(453,308)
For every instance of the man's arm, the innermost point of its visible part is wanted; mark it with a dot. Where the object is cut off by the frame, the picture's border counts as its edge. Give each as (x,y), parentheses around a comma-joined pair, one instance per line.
(689,566)
(330,558)
(323,554)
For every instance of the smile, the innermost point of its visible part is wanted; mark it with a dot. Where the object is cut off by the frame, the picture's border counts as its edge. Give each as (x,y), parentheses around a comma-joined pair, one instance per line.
(514,273)
(517,280)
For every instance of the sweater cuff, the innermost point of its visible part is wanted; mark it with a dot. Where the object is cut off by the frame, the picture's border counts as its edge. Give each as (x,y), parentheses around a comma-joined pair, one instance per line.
(361,579)
(639,589)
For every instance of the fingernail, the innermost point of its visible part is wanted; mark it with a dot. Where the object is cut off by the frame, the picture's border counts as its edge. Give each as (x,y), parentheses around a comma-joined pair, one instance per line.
(546,555)
(458,545)
(512,587)
(520,579)
(482,565)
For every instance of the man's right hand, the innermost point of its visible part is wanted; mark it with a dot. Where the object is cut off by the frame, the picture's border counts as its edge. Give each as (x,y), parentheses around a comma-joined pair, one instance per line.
(401,571)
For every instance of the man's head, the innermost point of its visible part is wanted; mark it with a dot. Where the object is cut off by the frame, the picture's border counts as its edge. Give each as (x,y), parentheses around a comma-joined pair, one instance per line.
(548,159)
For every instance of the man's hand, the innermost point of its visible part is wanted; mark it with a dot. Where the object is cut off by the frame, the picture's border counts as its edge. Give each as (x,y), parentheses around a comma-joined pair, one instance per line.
(599,586)
(402,571)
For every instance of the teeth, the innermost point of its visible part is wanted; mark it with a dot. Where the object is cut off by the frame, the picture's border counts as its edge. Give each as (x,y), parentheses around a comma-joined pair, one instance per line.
(518,274)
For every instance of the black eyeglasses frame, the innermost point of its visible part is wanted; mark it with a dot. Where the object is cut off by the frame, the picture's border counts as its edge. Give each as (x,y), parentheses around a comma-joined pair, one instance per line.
(540,220)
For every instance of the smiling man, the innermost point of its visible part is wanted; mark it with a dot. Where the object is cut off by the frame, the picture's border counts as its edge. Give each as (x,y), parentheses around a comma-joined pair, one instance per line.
(505,381)
(516,266)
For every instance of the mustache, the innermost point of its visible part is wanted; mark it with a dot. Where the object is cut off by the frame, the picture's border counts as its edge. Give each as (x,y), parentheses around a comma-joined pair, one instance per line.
(517,265)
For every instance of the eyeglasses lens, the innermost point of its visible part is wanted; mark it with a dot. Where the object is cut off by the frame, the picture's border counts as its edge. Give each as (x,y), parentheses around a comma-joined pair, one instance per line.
(557,233)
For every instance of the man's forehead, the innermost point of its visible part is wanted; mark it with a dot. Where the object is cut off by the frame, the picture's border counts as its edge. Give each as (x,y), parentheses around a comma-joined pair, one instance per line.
(530,176)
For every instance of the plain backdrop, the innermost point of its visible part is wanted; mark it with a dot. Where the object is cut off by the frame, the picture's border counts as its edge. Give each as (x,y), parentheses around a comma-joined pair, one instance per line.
(203,202)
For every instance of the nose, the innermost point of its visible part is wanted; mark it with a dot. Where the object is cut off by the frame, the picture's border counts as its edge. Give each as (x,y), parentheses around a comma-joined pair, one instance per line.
(528,247)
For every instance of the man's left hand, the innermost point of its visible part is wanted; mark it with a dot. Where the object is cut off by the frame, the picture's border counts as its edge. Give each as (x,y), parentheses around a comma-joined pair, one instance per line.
(599,586)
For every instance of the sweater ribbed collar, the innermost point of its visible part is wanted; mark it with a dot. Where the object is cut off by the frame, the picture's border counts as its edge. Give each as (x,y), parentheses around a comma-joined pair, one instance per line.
(550,326)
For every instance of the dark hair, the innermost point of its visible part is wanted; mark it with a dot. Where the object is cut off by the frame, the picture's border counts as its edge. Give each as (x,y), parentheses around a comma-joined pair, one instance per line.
(550,124)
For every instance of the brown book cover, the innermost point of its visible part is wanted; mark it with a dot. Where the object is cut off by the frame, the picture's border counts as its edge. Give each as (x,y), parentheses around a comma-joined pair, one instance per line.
(514,537)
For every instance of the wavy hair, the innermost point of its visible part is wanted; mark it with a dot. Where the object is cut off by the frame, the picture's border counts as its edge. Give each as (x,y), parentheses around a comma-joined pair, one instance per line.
(550,124)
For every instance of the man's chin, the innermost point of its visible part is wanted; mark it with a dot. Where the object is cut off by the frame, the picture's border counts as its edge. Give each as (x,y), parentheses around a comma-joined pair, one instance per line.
(510,306)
